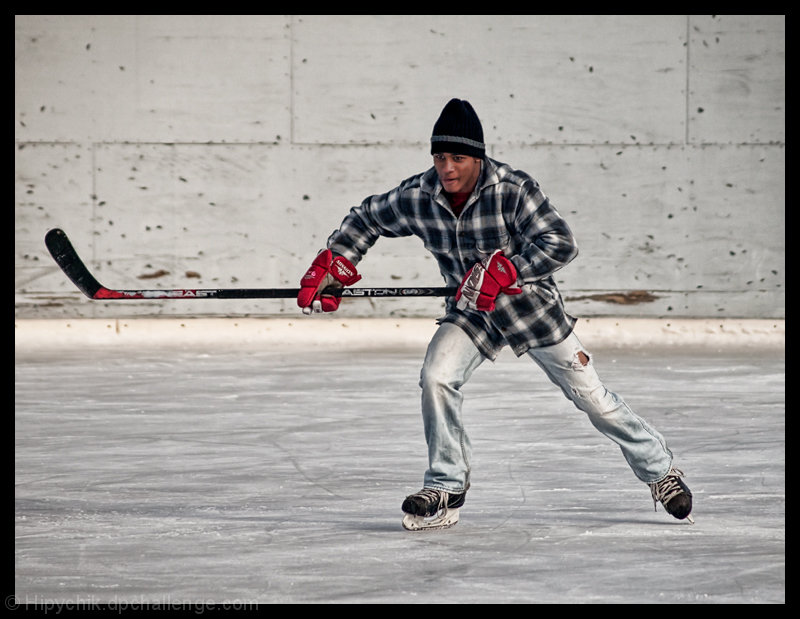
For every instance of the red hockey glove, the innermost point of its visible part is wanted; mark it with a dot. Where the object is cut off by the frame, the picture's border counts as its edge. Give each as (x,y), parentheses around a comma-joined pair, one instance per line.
(325,271)
(486,280)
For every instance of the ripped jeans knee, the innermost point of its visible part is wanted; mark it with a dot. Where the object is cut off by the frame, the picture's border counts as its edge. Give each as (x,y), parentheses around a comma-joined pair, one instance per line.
(580,360)
(570,366)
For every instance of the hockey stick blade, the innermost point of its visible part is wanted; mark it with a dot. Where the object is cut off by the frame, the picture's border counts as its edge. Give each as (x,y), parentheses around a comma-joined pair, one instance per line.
(60,247)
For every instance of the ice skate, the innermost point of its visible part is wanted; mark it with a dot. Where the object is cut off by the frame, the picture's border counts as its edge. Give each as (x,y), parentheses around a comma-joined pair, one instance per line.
(431,508)
(674,495)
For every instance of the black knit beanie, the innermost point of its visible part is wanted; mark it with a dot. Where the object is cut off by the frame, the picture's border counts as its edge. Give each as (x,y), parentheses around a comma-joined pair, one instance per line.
(458,131)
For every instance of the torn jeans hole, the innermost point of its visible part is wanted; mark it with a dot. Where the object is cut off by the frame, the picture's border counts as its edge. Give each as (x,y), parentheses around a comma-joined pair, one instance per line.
(580,360)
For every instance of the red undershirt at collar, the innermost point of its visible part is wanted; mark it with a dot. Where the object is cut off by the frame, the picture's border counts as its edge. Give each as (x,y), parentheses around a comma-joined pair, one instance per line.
(457,200)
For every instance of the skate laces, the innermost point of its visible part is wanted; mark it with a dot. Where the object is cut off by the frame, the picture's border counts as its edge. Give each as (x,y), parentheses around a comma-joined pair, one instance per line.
(667,489)
(432,495)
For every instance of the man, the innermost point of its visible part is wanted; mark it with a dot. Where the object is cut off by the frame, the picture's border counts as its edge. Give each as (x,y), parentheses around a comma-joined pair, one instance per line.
(497,237)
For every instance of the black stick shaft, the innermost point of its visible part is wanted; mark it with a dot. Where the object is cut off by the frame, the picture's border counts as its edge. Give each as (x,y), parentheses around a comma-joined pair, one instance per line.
(60,247)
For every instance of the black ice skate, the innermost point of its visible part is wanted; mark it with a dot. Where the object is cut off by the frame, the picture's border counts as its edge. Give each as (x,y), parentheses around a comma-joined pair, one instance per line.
(431,508)
(674,495)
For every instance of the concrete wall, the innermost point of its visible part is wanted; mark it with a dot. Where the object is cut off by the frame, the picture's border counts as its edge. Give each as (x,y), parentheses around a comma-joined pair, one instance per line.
(220,151)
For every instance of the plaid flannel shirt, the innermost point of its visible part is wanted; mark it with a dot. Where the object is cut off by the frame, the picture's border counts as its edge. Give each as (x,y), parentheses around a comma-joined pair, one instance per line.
(506,211)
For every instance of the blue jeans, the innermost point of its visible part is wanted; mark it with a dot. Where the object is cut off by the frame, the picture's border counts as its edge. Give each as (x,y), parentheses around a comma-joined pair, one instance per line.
(452,358)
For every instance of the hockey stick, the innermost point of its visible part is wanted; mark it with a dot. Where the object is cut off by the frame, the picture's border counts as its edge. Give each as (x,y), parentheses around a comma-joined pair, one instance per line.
(60,247)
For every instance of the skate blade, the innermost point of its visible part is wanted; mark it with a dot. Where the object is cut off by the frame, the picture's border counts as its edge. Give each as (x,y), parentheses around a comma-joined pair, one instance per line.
(443,520)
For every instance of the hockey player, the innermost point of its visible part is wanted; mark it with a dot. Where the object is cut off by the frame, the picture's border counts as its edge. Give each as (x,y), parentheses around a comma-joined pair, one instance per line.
(497,238)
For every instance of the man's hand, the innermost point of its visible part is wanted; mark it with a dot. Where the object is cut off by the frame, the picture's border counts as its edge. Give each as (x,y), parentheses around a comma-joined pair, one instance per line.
(486,280)
(326,270)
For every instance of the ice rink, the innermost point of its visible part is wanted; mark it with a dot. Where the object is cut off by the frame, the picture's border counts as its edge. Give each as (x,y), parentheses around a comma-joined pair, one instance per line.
(240,475)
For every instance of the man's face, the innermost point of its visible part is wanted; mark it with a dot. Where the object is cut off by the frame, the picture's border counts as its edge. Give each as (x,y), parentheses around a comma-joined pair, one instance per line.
(458,173)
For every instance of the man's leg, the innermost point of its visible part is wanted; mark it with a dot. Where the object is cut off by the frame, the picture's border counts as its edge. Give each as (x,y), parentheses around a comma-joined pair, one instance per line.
(450,361)
(570,367)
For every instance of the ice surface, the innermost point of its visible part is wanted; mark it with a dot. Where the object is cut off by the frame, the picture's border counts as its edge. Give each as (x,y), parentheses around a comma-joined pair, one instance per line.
(172,476)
